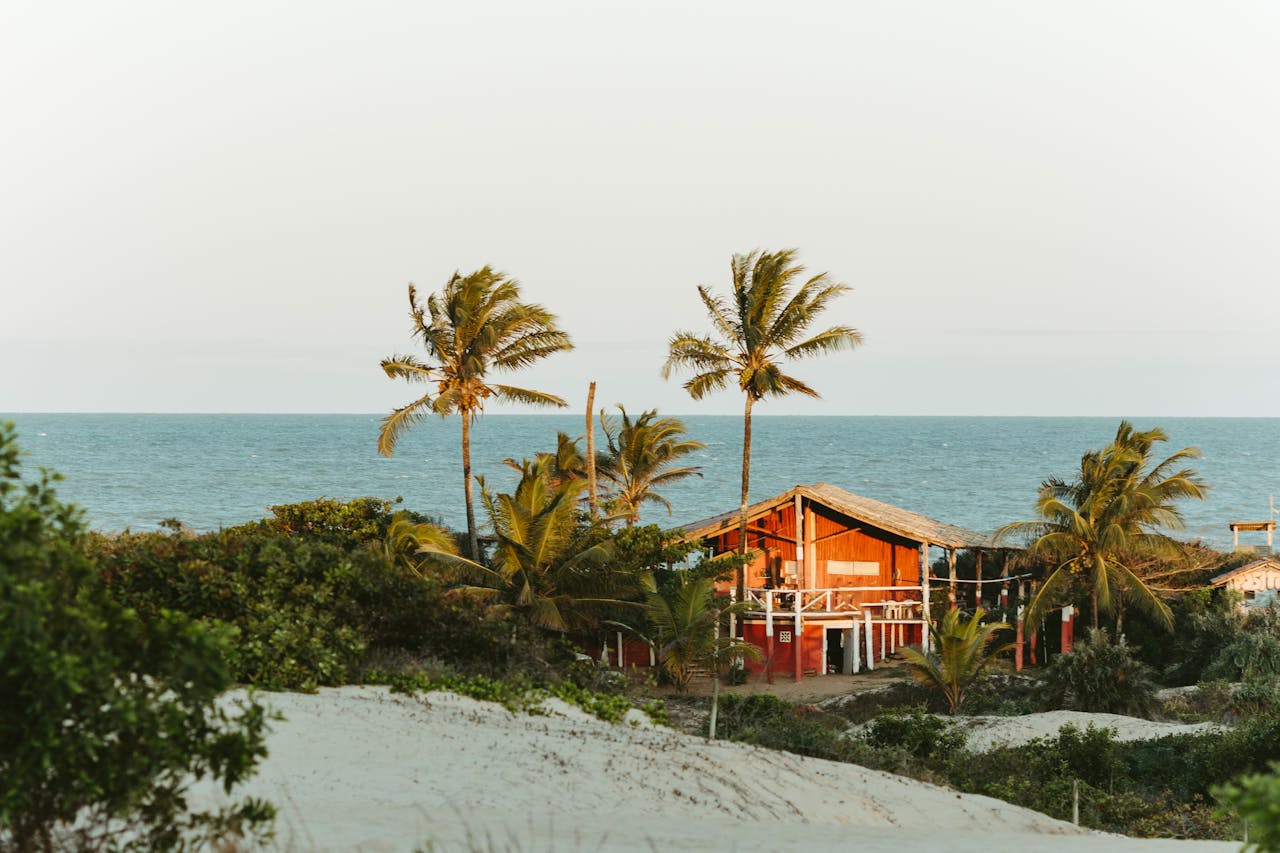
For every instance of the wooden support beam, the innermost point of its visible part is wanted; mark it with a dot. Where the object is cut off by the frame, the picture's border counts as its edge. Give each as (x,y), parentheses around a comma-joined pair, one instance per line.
(977,578)
(951,574)
(925,638)
(838,533)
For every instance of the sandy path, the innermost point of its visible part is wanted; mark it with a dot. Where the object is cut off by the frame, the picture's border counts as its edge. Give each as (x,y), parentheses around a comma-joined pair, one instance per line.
(364,769)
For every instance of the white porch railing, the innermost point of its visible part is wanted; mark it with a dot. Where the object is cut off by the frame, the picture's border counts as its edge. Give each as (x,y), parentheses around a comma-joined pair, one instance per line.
(857,604)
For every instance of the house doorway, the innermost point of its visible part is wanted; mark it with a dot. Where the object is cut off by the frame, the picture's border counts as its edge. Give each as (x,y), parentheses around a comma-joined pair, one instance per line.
(834,646)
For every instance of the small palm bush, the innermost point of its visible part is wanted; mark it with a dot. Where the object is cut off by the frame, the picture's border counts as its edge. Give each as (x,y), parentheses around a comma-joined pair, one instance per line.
(683,616)
(1251,656)
(963,650)
(1099,675)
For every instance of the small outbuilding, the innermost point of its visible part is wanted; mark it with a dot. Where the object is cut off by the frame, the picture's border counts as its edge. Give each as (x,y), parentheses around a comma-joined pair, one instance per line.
(1258,581)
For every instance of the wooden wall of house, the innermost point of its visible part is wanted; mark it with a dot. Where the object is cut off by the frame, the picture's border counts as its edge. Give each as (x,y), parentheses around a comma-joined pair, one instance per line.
(784,654)
(898,559)
(851,542)
(772,547)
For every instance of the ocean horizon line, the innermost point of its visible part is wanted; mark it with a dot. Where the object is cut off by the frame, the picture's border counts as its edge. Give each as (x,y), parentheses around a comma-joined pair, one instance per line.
(569,413)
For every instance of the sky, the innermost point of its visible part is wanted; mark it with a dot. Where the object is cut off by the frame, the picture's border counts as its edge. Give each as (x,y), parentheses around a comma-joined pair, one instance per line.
(1042,208)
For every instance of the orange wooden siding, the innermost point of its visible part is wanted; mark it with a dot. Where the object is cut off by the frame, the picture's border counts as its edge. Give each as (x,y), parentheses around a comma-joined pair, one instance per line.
(834,537)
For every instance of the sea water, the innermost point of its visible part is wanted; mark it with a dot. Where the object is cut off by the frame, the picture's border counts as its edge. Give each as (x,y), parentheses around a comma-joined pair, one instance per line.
(136,470)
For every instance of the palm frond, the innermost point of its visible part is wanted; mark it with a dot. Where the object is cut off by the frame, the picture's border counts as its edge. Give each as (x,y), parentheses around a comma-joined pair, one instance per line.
(395,424)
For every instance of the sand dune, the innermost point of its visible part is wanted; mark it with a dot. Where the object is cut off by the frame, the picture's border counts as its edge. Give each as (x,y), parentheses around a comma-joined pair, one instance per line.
(359,768)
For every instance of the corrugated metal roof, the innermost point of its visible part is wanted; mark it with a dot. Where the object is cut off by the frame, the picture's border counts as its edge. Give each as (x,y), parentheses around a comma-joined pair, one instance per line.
(1219,580)
(904,523)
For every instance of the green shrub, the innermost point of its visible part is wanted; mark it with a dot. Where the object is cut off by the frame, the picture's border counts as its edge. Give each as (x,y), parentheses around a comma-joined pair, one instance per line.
(1099,675)
(1256,800)
(105,716)
(768,721)
(1257,698)
(1206,621)
(916,731)
(1253,655)
(308,609)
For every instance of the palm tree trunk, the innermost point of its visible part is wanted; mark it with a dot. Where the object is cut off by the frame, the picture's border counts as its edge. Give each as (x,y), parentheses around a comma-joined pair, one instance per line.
(472,540)
(741,571)
(1094,602)
(591,455)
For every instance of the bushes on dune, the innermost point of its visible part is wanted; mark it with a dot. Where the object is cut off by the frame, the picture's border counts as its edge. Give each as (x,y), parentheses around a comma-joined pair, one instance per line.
(309,600)
(105,716)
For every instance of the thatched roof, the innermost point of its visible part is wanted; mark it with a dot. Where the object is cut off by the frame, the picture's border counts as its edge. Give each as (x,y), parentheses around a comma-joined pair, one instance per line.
(908,525)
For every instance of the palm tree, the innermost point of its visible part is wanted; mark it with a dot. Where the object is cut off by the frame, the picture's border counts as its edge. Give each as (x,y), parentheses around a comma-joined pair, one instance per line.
(566,462)
(963,651)
(1097,528)
(544,568)
(406,540)
(476,324)
(762,325)
(683,616)
(642,457)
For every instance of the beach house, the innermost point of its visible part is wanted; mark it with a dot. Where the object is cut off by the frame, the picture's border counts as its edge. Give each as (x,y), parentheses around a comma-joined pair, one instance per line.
(838,581)
(1257,582)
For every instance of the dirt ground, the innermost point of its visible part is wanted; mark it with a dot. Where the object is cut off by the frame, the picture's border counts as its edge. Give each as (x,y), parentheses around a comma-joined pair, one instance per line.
(812,688)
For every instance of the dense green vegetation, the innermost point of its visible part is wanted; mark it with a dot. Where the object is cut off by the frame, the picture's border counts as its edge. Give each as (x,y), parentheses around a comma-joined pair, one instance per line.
(107,713)
(1152,788)
(329,592)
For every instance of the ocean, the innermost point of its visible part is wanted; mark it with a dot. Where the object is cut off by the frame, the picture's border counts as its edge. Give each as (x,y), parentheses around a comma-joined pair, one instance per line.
(135,470)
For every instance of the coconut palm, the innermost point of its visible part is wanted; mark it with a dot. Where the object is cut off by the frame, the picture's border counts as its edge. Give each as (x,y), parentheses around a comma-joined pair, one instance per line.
(1096,528)
(476,325)
(962,651)
(762,325)
(643,456)
(544,568)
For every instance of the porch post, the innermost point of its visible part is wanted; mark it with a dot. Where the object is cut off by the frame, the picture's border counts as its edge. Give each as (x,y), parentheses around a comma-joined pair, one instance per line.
(796,637)
(768,635)
(951,574)
(866,620)
(924,597)
(798,633)
(1017,651)
(977,579)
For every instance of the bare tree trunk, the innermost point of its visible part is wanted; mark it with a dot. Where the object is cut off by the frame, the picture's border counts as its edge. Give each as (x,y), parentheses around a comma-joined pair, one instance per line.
(591,455)
(715,702)
(1093,599)
(741,580)
(472,540)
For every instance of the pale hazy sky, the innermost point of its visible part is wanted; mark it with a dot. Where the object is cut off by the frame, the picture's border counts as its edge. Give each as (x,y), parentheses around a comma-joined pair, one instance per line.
(1043,208)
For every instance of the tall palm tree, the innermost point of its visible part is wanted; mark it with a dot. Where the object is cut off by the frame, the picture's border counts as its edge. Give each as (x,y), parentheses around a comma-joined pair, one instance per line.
(760,327)
(1096,528)
(474,326)
(642,457)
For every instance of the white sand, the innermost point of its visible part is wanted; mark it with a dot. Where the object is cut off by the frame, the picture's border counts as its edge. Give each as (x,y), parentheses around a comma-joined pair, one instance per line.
(364,769)
(987,732)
